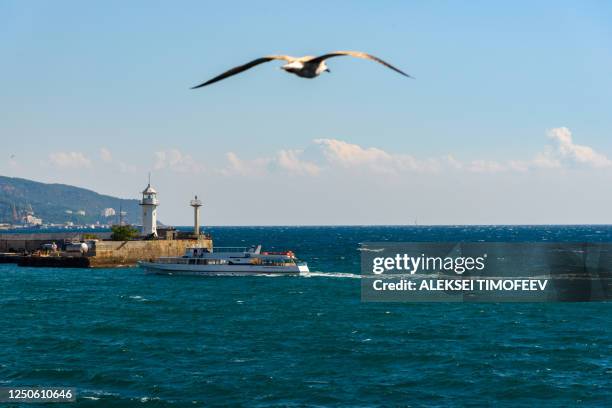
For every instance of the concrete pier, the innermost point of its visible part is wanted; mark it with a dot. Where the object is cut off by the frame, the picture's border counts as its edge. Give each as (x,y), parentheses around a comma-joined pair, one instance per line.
(101,253)
(17,242)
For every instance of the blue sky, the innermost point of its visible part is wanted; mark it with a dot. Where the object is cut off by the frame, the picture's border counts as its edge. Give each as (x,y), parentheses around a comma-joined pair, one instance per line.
(97,95)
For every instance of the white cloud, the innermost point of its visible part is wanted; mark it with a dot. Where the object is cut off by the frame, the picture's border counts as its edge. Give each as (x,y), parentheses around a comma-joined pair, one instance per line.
(453,162)
(328,155)
(237,166)
(565,152)
(70,160)
(285,161)
(486,166)
(349,155)
(106,155)
(518,165)
(290,160)
(128,168)
(177,161)
(568,150)
(546,159)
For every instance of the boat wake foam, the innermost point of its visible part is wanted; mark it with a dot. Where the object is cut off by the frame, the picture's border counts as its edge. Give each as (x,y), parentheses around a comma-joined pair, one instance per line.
(330,275)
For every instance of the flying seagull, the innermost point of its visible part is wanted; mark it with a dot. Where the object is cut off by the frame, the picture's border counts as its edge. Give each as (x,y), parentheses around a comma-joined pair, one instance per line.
(305,67)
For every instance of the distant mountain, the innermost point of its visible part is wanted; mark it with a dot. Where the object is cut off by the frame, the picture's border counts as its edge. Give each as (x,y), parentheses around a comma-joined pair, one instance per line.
(59,203)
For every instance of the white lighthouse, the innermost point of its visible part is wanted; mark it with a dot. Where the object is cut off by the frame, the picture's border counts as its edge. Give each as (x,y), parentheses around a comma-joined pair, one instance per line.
(149,205)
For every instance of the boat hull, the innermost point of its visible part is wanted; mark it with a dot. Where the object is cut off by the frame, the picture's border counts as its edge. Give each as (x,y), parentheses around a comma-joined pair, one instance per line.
(221,270)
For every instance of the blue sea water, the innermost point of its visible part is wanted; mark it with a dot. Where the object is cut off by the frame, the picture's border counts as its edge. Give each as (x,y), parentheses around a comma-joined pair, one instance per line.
(124,339)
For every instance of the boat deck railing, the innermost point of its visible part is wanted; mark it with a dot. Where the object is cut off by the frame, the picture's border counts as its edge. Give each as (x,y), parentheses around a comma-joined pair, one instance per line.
(208,261)
(190,261)
(229,249)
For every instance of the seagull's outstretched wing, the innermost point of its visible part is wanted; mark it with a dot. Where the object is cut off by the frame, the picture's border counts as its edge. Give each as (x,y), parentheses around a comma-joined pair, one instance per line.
(358,55)
(244,67)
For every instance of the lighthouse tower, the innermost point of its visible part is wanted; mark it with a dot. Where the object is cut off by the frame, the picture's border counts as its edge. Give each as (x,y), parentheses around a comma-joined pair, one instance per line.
(196,204)
(149,205)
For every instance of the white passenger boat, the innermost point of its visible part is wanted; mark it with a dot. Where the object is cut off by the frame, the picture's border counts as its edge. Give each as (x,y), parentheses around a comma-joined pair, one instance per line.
(228,261)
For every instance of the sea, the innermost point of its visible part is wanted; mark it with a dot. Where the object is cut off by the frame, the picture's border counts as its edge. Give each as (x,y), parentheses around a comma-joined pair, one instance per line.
(125,339)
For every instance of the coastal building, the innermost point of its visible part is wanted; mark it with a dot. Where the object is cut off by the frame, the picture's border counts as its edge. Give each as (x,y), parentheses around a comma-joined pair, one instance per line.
(31,220)
(108,212)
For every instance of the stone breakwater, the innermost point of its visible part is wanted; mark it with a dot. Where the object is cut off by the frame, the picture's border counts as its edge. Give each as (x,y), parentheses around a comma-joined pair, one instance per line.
(101,253)
(126,253)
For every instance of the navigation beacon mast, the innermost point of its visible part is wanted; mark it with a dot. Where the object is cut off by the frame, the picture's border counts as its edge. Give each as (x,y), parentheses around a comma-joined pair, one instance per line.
(196,204)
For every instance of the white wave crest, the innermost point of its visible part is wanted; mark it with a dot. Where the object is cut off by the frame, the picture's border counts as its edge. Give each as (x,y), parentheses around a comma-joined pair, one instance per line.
(330,275)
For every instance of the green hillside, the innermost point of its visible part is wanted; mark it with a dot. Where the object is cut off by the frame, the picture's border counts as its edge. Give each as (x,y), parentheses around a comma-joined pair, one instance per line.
(54,202)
